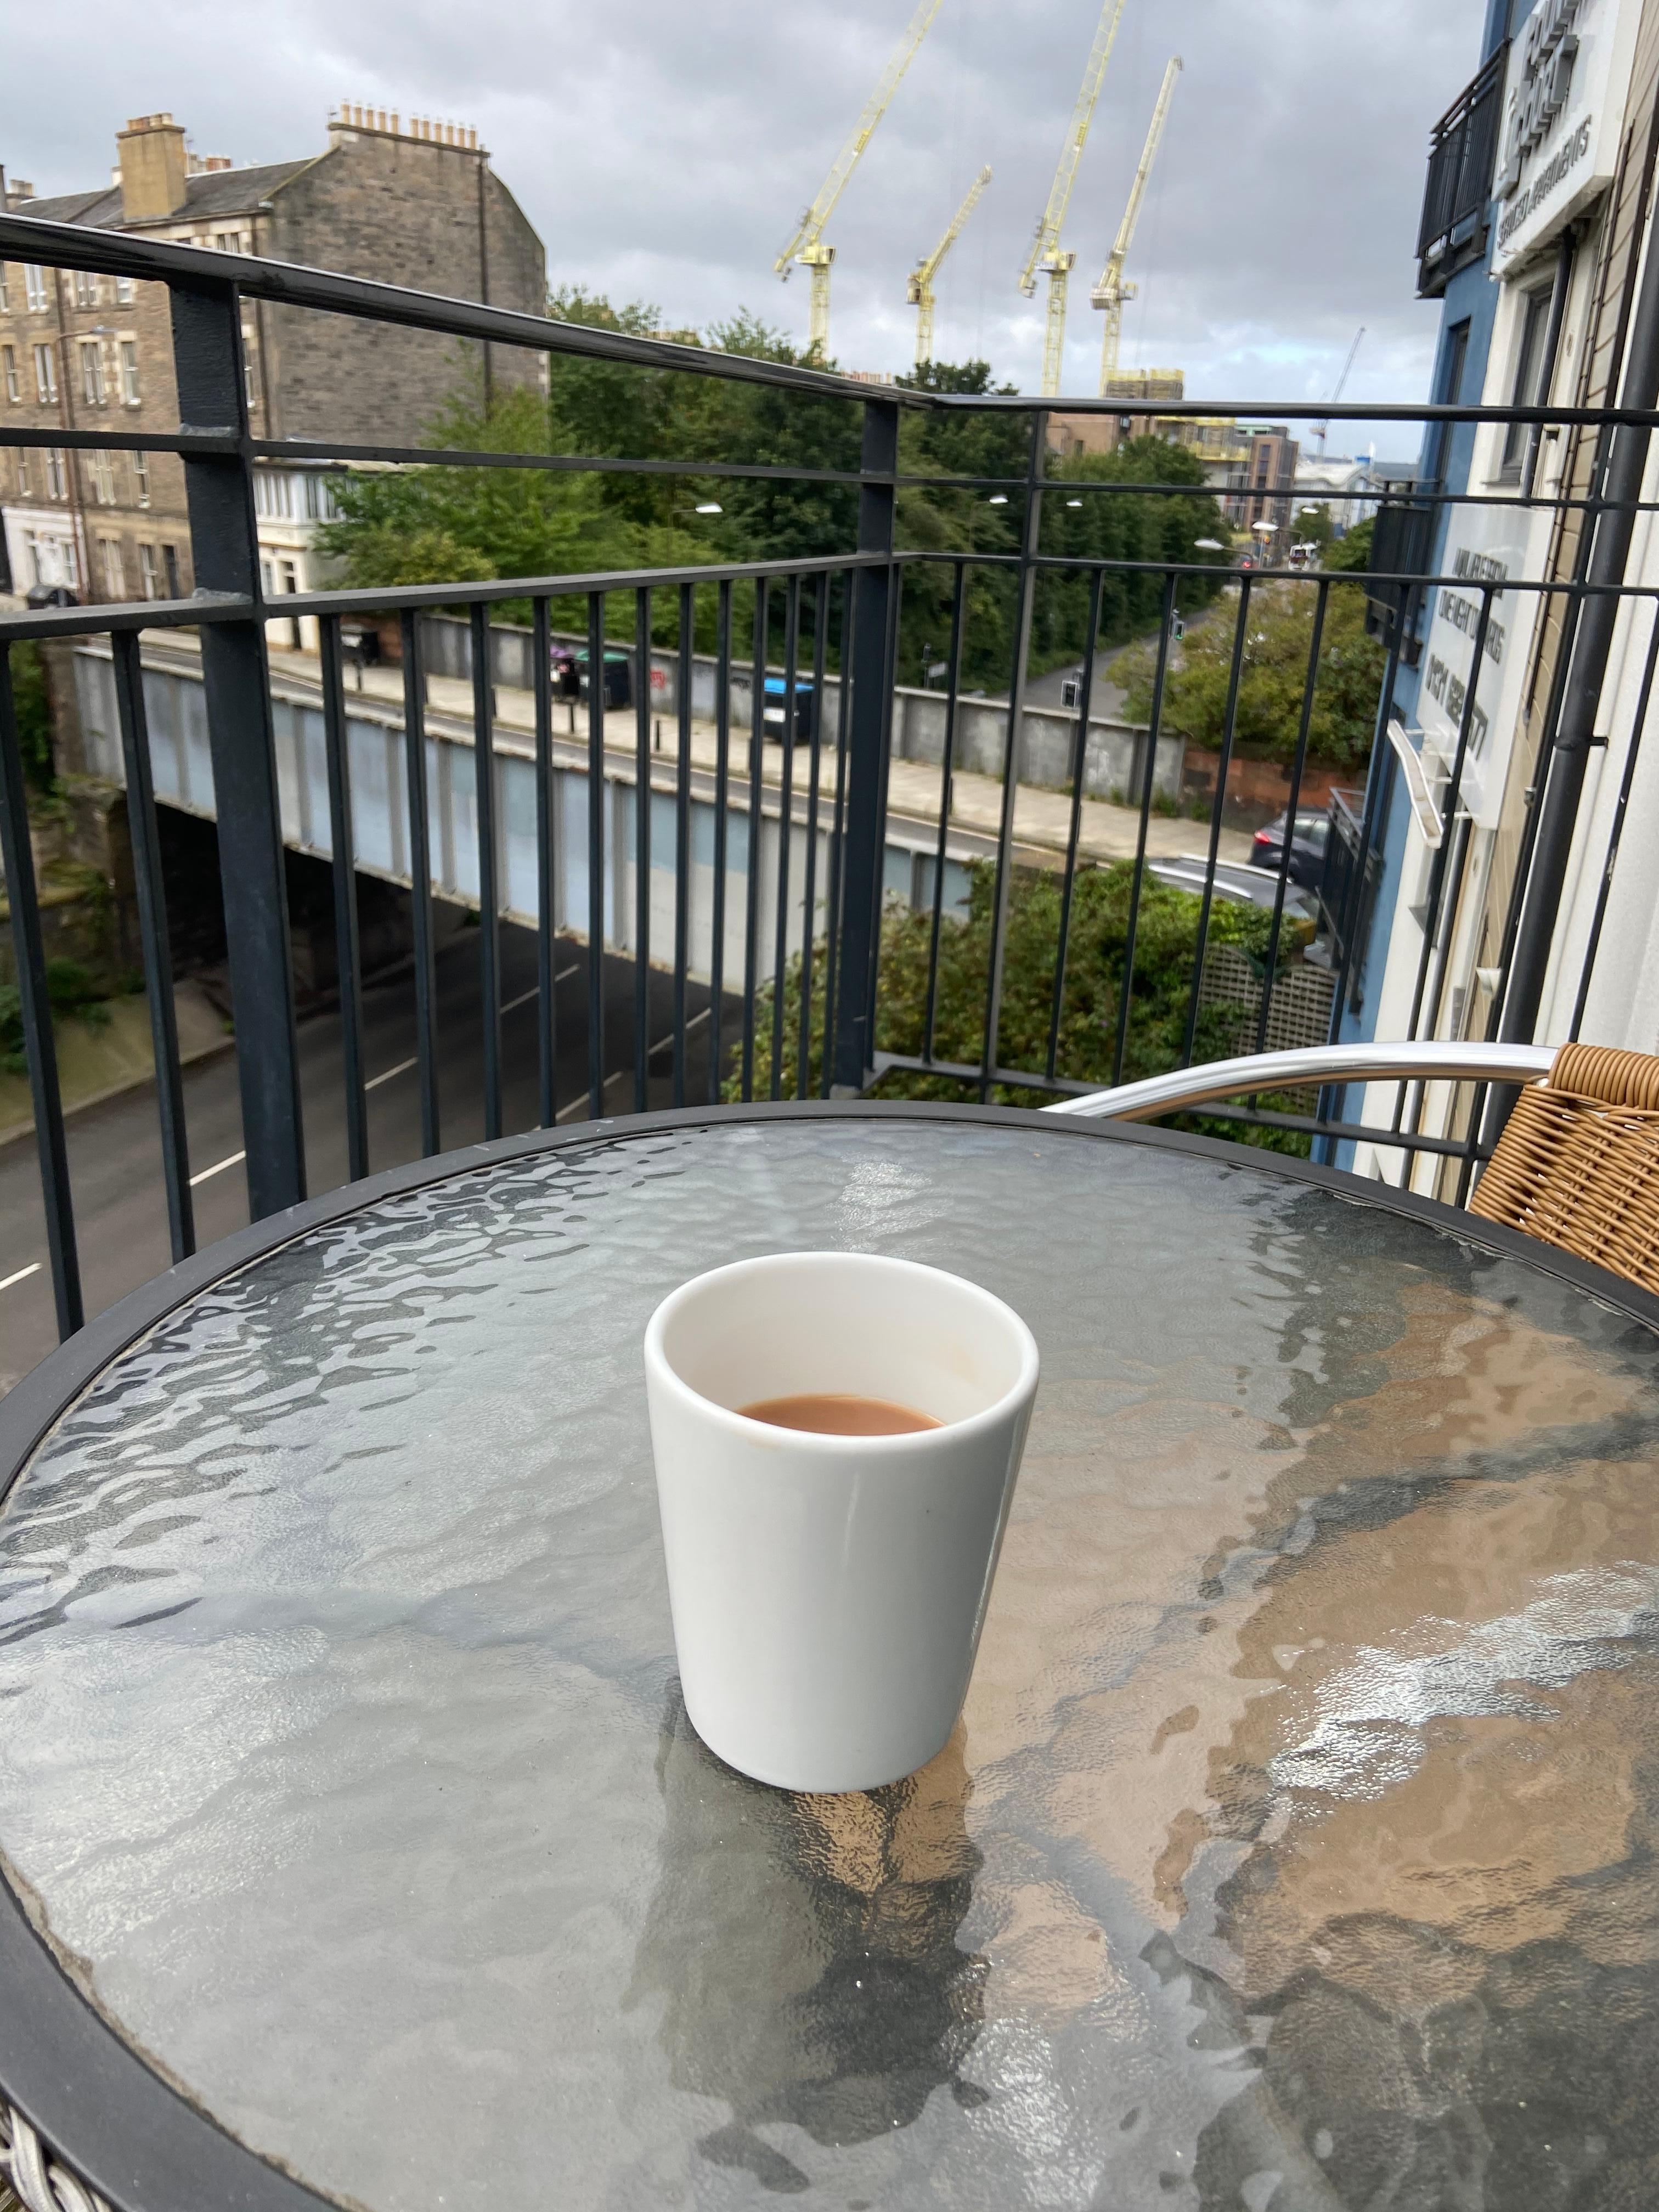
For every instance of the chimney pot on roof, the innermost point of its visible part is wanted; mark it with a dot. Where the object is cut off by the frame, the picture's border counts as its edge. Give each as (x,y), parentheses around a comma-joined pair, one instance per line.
(151,153)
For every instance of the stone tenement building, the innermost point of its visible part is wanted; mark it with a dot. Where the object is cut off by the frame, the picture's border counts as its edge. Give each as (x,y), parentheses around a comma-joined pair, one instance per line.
(415,203)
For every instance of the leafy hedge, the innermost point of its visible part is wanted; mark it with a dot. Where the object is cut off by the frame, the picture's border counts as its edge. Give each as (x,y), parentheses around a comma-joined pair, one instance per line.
(1166,942)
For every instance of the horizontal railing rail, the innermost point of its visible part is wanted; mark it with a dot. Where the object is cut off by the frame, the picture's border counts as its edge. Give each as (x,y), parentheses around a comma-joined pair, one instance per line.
(794,872)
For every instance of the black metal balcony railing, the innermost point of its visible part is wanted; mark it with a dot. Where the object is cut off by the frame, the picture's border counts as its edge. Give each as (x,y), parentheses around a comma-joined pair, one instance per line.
(803,1001)
(1451,234)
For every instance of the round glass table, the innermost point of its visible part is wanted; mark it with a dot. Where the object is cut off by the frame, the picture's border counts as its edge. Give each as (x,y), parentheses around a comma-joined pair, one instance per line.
(1295,1849)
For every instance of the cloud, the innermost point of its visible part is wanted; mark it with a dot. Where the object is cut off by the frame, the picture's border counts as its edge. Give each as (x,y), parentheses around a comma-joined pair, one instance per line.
(665,153)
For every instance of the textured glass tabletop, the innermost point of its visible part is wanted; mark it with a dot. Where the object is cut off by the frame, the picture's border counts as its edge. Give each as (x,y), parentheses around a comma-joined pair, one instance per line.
(1296,1848)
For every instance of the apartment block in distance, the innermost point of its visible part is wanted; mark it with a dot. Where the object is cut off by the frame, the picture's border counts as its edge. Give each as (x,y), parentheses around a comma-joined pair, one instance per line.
(415,203)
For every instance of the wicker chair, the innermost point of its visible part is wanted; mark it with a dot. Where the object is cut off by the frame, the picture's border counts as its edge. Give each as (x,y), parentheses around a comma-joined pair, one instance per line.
(1577,1165)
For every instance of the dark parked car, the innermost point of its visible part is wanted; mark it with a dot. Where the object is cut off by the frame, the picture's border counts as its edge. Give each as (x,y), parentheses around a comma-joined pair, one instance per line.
(1307,847)
(50,595)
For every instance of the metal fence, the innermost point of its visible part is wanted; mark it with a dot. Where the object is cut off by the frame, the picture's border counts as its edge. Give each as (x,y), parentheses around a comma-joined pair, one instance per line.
(792,982)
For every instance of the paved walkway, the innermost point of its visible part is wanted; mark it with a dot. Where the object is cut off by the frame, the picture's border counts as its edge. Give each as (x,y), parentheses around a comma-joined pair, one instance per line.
(1042,818)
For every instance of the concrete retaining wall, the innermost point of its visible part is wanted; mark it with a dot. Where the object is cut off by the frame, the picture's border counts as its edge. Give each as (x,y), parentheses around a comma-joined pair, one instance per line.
(1114,768)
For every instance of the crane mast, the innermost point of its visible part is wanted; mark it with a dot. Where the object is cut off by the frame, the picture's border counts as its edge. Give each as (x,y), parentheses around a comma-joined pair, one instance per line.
(919,288)
(1046,254)
(1322,430)
(1112,291)
(807,246)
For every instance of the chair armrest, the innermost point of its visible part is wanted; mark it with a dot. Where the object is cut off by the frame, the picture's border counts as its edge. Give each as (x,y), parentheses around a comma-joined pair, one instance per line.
(1419,1061)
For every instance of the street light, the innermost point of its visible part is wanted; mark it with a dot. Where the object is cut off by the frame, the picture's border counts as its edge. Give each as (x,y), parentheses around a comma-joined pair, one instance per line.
(998,499)
(1074,502)
(1208,545)
(708,506)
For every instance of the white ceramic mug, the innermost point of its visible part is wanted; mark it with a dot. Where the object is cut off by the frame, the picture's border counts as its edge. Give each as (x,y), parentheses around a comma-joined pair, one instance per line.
(828,1590)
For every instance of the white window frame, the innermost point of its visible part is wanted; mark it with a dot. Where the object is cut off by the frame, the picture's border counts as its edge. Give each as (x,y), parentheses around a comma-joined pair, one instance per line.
(141,478)
(92,390)
(115,578)
(86,288)
(9,374)
(126,291)
(34,288)
(23,478)
(131,394)
(56,475)
(45,376)
(150,575)
(5,292)
(101,468)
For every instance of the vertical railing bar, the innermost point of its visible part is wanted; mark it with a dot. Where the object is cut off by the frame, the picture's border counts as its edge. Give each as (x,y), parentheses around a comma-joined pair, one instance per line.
(1298,769)
(809,898)
(642,805)
(683,676)
(153,936)
(752,888)
(867,743)
(546,910)
(39,1043)
(1079,764)
(837,824)
(420,882)
(1353,900)
(1126,989)
(1224,765)
(1463,836)
(889,684)
(947,766)
(1031,527)
(722,772)
(1437,871)
(489,947)
(595,853)
(343,870)
(1414,1091)
(1616,832)
(786,827)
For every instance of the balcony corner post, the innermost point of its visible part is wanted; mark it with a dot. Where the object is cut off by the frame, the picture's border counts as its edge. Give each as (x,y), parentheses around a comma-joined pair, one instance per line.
(871,678)
(207,345)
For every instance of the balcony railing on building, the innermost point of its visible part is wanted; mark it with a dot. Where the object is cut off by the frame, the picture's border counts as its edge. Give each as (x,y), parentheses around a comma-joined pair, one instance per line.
(744,928)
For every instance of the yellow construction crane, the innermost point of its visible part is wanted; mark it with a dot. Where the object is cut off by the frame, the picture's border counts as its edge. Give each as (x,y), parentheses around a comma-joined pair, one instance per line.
(919,287)
(807,246)
(1046,251)
(1111,291)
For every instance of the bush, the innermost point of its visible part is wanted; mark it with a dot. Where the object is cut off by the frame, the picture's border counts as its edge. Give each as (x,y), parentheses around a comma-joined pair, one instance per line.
(29,697)
(1166,942)
(70,990)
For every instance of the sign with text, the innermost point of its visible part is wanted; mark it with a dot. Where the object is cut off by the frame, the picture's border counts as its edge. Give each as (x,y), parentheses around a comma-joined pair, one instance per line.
(1486,545)
(1563,108)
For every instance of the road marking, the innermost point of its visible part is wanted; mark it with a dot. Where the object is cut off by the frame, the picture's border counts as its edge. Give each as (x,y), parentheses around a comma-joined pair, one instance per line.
(21,1276)
(402,1068)
(218,1168)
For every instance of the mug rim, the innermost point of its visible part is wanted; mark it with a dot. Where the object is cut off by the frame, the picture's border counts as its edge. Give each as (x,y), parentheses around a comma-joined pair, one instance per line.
(912,1441)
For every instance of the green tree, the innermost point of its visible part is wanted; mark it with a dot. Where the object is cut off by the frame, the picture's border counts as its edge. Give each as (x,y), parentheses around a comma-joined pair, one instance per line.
(1353,551)
(1279,638)
(448,522)
(1166,942)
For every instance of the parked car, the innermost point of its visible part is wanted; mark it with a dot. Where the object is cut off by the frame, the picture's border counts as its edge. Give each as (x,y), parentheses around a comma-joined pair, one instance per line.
(1307,847)
(50,595)
(1190,871)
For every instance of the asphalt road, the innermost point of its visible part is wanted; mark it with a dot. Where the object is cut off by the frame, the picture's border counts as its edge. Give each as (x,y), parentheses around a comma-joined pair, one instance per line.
(115,1160)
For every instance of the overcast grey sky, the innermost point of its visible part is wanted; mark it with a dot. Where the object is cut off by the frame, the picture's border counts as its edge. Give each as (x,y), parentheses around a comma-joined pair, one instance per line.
(664,151)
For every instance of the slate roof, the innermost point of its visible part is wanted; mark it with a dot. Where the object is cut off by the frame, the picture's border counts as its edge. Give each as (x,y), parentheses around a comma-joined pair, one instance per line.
(214,194)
